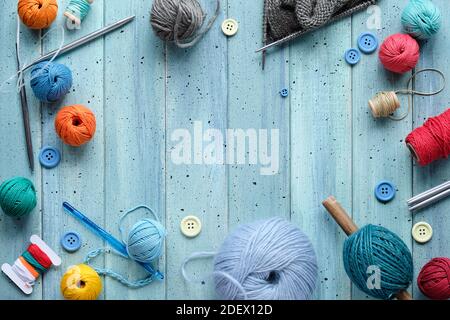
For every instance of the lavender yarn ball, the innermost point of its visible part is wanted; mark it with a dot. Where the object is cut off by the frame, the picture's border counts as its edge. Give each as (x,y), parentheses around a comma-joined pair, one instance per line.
(267,260)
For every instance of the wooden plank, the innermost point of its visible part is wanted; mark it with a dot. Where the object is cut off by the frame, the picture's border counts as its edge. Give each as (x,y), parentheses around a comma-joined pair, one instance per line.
(321,146)
(15,233)
(378,145)
(79,177)
(433,55)
(254,103)
(135,134)
(196,93)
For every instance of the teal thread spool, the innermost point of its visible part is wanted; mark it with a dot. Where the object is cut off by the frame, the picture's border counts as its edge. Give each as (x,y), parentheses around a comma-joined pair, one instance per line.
(421,19)
(77,10)
(17,197)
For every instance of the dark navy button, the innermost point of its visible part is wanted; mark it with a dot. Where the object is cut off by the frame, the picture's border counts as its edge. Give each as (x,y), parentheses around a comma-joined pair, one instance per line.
(385,191)
(284,92)
(352,56)
(367,42)
(49,157)
(71,241)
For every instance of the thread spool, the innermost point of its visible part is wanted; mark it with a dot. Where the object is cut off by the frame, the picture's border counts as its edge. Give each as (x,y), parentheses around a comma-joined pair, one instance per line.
(50,81)
(81,282)
(266,260)
(421,19)
(374,246)
(75,125)
(37,14)
(399,53)
(17,197)
(180,21)
(144,244)
(385,103)
(434,279)
(35,261)
(431,142)
(76,11)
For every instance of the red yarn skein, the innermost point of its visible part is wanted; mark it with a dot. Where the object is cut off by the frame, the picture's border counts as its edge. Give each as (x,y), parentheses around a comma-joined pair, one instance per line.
(431,141)
(434,279)
(399,53)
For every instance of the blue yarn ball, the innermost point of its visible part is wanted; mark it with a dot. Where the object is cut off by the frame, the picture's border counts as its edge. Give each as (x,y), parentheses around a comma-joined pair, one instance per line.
(50,81)
(421,19)
(145,241)
(379,247)
(267,260)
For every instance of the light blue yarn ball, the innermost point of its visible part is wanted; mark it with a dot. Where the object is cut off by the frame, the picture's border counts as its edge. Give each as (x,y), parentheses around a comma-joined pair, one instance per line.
(421,19)
(377,247)
(145,241)
(50,81)
(267,260)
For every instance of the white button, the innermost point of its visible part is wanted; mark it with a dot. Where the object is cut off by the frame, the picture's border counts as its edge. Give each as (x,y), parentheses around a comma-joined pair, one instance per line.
(422,232)
(230,27)
(191,226)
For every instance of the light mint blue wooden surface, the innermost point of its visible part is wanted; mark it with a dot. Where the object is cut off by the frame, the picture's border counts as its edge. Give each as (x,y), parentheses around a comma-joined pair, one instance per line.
(142,90)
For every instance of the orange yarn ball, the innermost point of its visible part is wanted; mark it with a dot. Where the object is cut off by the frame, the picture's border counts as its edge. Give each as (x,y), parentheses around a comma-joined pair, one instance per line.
(37,14)
(75,125)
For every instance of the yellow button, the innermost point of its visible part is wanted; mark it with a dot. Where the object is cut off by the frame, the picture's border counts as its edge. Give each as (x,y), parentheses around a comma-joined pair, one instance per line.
(230,27)
(422,232)
(191,226)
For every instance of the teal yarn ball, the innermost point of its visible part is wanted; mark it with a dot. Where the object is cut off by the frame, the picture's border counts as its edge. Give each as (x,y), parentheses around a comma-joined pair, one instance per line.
(50,81)
(17,197)
(421,19)
(145,241)
(377,247)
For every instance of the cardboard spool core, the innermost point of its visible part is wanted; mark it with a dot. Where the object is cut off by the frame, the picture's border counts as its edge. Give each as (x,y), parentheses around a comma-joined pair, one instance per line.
(413,152)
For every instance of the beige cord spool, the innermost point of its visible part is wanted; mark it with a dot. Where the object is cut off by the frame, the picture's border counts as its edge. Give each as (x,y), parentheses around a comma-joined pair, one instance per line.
(385,103)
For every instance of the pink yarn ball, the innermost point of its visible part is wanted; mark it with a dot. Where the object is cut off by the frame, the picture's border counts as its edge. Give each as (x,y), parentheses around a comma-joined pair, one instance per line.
(399,53)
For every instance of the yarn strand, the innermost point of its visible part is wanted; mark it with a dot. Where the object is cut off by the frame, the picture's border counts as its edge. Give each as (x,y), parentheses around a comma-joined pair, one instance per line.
(115,275)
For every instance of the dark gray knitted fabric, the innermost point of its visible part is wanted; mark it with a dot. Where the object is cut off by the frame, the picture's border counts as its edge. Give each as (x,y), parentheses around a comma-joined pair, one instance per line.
(292,18)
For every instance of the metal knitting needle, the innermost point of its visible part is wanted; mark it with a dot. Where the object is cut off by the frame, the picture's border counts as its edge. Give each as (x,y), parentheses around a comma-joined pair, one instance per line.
(83,40)
(429,193)
(430,201)
(25,113)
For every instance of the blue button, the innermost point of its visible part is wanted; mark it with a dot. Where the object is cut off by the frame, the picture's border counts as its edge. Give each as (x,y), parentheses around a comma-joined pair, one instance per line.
(352,56)
(385,191)
(367,42)
(71,241)
(49,157)
(284,92)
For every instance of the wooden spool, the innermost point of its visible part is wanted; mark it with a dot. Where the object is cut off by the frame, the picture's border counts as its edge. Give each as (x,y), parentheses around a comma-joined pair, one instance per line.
(349,227)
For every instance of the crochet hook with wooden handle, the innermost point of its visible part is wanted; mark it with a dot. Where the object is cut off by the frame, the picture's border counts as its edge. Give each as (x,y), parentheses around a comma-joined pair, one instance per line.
(349,227)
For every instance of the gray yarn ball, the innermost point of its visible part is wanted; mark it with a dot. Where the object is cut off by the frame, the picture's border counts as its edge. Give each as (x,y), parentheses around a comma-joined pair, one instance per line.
(177,20)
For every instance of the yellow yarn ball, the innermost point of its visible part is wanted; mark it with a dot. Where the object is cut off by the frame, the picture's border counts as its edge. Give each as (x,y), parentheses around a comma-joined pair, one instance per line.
(81,282)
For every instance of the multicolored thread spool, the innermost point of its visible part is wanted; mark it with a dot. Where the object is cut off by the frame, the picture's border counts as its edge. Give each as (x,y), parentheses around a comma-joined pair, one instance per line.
(35,261)
(385,103)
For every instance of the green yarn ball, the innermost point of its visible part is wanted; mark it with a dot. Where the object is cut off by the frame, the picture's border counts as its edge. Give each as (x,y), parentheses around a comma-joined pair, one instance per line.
(17,197)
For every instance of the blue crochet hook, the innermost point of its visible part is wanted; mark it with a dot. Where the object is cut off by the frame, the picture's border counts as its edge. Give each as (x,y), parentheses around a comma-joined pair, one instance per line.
(116,244)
